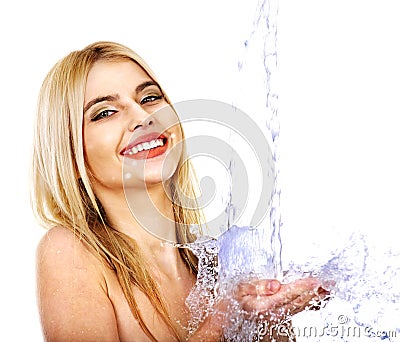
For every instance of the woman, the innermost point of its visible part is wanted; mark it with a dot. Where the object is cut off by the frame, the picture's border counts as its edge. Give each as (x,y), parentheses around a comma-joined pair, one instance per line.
(101,276)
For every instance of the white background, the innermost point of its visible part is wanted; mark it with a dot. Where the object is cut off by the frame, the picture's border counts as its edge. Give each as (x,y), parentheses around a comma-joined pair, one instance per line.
(339,88)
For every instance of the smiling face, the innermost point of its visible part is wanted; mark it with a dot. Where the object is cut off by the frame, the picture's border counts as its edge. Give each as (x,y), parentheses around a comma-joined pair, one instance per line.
(128,125)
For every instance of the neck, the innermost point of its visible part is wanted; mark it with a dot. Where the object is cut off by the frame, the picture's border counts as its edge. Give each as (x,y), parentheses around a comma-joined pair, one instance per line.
(145,216)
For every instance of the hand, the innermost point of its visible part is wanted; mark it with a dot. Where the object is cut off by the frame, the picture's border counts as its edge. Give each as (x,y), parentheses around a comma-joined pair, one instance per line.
(277,301)
(268,298)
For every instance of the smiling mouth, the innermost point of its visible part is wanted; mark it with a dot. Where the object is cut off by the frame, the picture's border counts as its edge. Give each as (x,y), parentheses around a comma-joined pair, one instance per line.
(147,149)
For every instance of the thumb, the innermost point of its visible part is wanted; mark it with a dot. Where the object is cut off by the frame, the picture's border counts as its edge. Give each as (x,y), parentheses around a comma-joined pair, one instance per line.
(272,287)
(263,287)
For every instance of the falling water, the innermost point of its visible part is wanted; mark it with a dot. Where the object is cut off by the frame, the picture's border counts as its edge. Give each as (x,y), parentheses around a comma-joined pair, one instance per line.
(245,253)
(360,274)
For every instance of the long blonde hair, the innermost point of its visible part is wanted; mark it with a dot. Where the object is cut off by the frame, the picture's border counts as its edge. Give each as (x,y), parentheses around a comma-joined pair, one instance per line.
(61,191)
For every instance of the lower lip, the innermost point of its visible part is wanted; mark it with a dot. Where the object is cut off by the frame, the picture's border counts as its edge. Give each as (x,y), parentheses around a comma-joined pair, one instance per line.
(149,154)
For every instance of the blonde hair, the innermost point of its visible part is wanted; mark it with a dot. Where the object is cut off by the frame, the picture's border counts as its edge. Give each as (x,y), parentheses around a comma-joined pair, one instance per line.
(61,190)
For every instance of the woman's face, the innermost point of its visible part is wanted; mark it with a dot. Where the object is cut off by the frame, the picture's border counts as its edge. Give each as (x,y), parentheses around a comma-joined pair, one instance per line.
(119,132)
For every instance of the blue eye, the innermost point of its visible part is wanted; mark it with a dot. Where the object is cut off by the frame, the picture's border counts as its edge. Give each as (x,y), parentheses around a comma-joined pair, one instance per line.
(150,98)
(104,114)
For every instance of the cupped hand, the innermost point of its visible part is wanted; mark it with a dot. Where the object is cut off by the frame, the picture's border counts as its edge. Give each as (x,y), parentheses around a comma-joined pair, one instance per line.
(276,300)
(268,298)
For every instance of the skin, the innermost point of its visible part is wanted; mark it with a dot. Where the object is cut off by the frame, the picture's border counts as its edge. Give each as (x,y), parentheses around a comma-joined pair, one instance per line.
(79,297)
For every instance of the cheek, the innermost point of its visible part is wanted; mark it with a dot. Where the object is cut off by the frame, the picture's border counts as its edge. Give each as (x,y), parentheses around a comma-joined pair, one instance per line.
(177,134)
(100,152)
(99,143)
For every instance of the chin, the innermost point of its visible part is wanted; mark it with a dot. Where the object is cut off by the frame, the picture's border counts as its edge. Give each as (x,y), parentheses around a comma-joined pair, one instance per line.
(160,176)
(132,179)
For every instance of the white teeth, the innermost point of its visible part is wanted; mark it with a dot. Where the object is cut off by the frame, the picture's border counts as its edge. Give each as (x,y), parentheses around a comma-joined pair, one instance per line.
(146,146)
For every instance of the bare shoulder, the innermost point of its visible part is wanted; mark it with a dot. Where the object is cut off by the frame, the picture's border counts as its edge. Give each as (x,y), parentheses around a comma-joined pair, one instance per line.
(60,244)
(72,292)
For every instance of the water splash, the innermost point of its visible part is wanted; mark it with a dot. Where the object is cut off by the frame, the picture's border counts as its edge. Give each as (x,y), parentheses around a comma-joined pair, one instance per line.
(237,260)
(366,295)
(245,253)
(223,265)
(202,297)
(360,274)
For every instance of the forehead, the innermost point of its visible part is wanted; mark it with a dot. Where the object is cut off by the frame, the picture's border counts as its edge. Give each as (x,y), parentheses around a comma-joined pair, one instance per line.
(106,77)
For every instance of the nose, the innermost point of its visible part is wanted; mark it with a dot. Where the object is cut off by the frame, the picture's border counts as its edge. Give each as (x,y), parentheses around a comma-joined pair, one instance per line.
(138,117)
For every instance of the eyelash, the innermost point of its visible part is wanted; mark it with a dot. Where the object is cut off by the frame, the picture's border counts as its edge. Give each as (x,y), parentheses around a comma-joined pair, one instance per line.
(100,115)
(150,98)
(109,112)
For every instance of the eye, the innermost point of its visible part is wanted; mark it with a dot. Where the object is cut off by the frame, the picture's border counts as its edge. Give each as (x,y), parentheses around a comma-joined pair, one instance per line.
(104,114)
(150,98)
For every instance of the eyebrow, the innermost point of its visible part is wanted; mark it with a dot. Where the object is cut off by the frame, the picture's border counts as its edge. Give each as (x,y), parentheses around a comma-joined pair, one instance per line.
(146,84)
(111,98)
(99,99)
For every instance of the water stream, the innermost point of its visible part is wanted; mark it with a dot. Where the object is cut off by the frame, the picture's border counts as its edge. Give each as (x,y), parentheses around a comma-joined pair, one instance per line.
(361,275)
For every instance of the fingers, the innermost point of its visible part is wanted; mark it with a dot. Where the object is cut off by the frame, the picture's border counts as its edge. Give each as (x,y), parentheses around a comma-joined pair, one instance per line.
(255,296)
(301,295)
(263,297)
(262,287)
